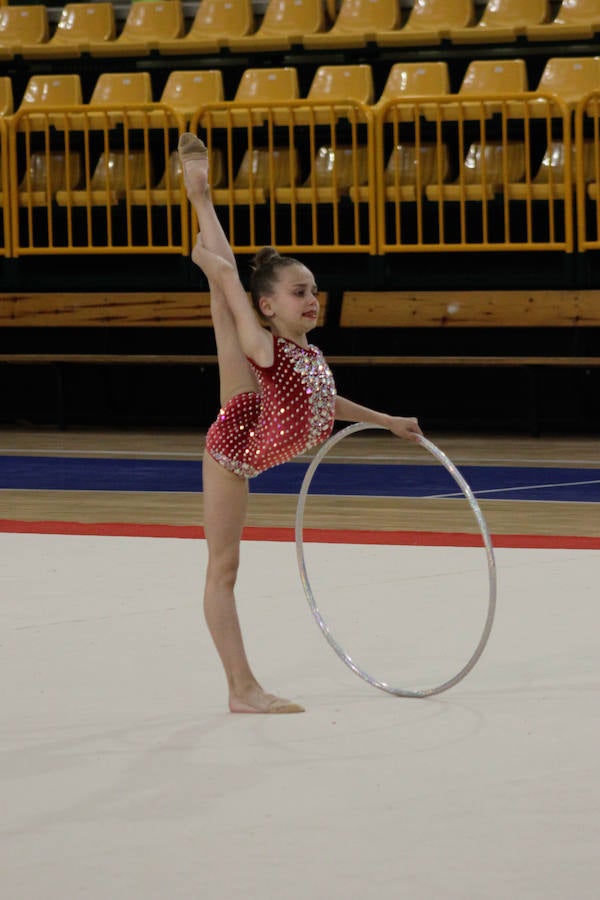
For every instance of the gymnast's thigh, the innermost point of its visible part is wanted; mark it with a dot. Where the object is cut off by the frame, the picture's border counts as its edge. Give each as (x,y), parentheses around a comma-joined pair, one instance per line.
(225,497)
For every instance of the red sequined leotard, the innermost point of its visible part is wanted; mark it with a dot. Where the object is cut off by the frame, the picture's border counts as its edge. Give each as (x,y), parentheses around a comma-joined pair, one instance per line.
(294,411)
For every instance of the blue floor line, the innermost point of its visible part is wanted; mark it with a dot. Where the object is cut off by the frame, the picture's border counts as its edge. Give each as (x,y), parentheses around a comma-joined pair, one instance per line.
(356,479)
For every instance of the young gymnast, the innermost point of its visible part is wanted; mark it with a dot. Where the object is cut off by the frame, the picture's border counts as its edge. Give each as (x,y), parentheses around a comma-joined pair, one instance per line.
(278,399)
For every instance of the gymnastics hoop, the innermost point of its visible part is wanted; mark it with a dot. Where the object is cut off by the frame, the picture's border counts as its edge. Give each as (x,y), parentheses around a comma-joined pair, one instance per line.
(467,492)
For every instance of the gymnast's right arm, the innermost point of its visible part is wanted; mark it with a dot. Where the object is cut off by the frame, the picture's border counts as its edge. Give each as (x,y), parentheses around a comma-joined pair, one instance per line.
(255,341)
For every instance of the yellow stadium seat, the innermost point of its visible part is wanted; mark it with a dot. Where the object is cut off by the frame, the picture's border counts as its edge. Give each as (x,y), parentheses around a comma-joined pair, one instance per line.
(188,91)
(21,27)
(549,180)
(261,172)
(122,91)
(415,81)
(216,170)
(48,173)
(408,171)
(115,89)
(337,83)
(356,24)
(215,22)
(575,20)
(490,76)
(170,191)
(334,173)
(571,78)
(49,91)
(115,174)
(503,21)
(6,96)
(52,90)
(79,26)
(429,22)
(284,25)
(591,168)
(268,84)
(411,168)
(256,85)
(167,192)
(146,27)
(5,242)
(330,87)
(487,170)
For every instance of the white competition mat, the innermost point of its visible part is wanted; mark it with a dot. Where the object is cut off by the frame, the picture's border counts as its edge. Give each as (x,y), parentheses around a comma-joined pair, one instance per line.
(125,778)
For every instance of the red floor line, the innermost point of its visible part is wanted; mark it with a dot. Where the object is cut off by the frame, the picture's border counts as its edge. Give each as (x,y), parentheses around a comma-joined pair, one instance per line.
(311,535)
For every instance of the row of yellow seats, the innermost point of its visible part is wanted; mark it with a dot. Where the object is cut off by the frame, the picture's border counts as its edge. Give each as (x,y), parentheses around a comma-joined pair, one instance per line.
(570,78)
(412,172)
(160,26)
(431,21)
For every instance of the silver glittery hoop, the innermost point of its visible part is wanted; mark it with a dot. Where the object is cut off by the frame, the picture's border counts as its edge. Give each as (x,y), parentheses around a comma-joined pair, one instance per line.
(467,492)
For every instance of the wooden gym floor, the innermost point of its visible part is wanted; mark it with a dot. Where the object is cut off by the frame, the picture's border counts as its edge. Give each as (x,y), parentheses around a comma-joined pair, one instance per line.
(504,516)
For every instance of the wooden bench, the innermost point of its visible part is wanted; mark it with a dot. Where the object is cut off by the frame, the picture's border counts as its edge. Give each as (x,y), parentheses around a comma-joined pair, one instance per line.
(105,309)
(560,309)
(470,309)
(360,310)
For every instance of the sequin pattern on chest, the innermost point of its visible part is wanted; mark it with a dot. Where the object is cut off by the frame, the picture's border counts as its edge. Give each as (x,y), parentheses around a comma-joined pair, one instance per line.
(319,388)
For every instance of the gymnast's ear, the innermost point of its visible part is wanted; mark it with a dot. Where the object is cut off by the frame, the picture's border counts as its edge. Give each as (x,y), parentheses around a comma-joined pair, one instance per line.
(265,307)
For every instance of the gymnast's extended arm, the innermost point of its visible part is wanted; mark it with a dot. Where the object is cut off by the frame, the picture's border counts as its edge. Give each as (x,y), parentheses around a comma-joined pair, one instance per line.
(404,427)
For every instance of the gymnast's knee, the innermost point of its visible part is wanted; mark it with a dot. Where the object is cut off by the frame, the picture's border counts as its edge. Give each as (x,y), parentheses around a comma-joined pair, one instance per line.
(223,567)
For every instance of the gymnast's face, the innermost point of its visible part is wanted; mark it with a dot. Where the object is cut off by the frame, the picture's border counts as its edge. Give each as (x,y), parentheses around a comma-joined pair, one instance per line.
(292,308)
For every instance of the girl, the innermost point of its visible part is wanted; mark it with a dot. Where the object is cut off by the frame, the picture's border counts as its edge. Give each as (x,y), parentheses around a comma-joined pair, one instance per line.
(278,399)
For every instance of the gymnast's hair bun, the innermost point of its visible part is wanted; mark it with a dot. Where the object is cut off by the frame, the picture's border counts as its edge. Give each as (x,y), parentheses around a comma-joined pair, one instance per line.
(265,258)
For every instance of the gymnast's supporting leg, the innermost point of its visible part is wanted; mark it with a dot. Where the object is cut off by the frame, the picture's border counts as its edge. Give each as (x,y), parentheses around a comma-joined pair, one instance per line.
(225,494)
(225,503)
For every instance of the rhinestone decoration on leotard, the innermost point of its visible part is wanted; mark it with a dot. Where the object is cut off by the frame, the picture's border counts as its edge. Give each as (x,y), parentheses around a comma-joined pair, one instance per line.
(294,411)
(319,388)
(228,437)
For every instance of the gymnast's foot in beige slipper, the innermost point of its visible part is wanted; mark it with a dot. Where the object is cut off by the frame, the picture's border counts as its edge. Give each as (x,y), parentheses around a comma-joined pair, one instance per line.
(194,161)
(257,701)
